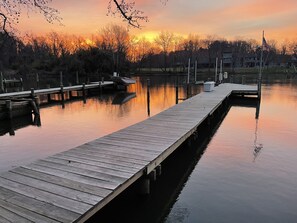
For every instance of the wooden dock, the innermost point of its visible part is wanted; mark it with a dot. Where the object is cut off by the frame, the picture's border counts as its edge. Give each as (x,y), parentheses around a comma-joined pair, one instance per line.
(73,185)
(56,90)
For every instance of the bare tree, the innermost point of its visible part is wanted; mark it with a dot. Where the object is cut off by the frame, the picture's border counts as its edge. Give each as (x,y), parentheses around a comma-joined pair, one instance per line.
(165,41)
(116,38)
(11,10)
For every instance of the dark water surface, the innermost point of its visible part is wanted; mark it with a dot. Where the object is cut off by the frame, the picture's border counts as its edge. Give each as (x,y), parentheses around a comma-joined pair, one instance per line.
(246,172)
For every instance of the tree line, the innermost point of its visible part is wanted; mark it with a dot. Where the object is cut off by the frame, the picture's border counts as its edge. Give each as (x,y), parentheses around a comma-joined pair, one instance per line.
(113,49)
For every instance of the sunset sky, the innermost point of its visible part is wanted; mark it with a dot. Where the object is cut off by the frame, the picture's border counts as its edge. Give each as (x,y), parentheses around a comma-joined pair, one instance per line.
(224,18)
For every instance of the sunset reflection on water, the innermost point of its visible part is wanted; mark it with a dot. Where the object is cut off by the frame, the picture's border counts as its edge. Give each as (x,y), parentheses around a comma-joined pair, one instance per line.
(79,122)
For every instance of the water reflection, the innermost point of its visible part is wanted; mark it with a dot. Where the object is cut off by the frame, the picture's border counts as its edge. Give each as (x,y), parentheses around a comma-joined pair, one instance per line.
(81,122)
(123,97)
(11,126)
(228,186)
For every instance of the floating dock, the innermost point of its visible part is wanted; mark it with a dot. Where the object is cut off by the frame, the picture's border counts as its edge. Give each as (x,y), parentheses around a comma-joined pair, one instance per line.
(73,185)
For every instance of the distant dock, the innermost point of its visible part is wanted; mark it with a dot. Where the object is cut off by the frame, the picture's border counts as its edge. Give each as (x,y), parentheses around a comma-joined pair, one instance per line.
(17,104)
(72,186)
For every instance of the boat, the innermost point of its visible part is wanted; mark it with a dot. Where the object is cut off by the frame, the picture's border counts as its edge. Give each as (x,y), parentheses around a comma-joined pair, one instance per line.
(122,80)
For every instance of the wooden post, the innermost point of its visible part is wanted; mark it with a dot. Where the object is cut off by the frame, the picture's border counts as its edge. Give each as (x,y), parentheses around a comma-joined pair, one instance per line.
(32,93)
(102,80)
(176,94)
(159,170)
(62,96)
(34,105)
(243,79)
(70,94)
(188,90)
(22,84)
(84,92)
(49,98)
(62,93)
(77,78)
(216,70)
(189,68)
(9,108)
(195,71)
(1,83)
(61,78)
(153,175)
(145,186)
(100,88)
(37,80)
(148,97)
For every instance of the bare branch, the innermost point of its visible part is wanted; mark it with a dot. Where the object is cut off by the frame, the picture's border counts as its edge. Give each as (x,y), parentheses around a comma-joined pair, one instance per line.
(11,10)
(127,12)
(4,18)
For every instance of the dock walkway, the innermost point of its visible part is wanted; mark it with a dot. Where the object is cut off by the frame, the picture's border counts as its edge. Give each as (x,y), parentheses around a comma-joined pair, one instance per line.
(73,185)
(55,90)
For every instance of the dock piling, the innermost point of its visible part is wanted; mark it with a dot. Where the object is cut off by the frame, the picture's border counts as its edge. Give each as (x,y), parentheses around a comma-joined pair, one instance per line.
(61,78)
(176,94)
(84,92)
(62,95)
(37,80)
(1,83)
(153,175)
(32,93)
(9,108)
(148,97)
(159,170)
(145,186)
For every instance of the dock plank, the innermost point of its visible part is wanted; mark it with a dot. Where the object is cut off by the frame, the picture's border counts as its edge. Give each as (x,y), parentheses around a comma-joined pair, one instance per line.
(52,188)
(35,193)
(26,214)
(39,207)
(76,185)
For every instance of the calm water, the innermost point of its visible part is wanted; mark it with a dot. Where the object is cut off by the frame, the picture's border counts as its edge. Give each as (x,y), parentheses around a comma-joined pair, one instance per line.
(229,182)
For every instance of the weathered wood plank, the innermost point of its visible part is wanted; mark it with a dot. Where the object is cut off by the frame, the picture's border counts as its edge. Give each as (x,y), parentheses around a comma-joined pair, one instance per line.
(112,150)
(99,155)
(121,147)
(3,220)
(120,161)
(111,180)
(76,185)
(11,217)
(73,176)
(39,207)
(52,188)
(92,161)
(71,205)
(28,215)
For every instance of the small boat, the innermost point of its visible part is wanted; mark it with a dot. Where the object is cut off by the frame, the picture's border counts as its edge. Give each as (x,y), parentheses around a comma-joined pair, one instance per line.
(122,80)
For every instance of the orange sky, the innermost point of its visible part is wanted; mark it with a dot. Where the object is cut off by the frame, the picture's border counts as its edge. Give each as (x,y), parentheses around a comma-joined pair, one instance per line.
(224,18)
